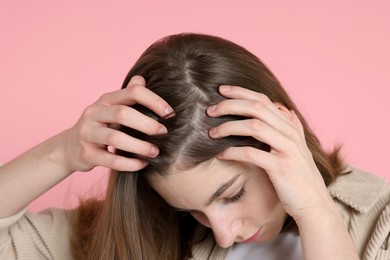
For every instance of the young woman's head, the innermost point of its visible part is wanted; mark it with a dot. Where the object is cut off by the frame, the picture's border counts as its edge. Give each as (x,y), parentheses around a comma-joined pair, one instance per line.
(235,200)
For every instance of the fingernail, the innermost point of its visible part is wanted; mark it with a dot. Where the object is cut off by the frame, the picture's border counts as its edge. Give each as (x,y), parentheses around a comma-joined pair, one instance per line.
(154,151)
(162,130)
(212,131)
(225,88)
(212,108)
(168,111)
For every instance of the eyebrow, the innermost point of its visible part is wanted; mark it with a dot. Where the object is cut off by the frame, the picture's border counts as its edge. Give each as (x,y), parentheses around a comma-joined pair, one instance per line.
(217,193)
(222,189)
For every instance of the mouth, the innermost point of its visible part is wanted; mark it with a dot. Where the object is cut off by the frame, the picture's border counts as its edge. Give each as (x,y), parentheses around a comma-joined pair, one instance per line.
(253,238)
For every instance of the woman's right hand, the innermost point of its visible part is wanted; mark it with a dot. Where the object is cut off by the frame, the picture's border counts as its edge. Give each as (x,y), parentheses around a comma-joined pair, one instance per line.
(91,141)
(84,146)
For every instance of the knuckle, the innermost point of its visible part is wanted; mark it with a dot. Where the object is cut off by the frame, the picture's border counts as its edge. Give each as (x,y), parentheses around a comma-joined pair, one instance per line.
(257,106)
(82,132)
(150,126)
(120,114)
(88,111)
(221,130)
(255,125)
(85,153)
(248,153)
(227,152)
(137,80)
(103,98)
(116,163)
(154,127)
(135,90)
(222,106)
(263,98)
(113,138)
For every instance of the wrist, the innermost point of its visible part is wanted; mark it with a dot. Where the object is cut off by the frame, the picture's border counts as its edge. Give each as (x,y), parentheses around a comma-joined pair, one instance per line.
(54,150)
(315,219)
(318,214)
(325,236)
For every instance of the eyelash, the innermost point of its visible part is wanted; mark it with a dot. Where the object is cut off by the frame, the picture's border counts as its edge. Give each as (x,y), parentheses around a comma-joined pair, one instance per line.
(236,197)
(233,199)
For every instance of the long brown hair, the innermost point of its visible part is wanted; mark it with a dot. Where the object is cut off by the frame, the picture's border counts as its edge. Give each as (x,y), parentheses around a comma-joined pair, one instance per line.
(133,221)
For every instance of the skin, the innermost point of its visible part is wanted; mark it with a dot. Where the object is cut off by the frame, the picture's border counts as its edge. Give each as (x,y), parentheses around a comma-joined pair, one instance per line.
(249,204)
(291,171)
(84,146)
(289,166)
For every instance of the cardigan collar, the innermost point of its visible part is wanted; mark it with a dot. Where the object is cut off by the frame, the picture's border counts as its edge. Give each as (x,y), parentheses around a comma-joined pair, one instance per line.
(357,189)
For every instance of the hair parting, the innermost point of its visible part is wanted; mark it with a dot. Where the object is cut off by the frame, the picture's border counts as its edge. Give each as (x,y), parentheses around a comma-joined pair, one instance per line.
(133,221)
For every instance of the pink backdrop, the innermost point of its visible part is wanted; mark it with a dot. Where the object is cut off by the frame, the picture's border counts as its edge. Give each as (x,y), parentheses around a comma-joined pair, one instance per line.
(333,57)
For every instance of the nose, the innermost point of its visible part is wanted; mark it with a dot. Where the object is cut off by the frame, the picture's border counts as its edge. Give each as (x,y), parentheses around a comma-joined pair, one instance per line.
(225,230)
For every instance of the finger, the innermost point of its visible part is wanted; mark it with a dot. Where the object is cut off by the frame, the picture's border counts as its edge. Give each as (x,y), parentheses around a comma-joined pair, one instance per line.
(116,162)
(253,109)
(298,123)
(127,116)
(122,141)
(252,127)
(235,92)
(137,80)
(247,154)
(137,93)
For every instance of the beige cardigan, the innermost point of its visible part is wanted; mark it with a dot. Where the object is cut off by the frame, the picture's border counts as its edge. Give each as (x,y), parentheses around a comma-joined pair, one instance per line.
(363,200)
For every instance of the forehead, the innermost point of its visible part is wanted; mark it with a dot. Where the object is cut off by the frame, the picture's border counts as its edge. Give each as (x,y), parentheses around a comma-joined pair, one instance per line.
(190,189)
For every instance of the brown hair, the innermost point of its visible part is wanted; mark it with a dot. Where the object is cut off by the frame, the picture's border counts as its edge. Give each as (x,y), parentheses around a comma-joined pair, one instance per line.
(134,222)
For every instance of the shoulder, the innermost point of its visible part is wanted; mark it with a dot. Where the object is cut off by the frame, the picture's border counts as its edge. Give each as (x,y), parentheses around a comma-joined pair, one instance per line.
(364,202)
(44,235)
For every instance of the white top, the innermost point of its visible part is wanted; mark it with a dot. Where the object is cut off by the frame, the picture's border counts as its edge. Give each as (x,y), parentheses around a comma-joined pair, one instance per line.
(285,246)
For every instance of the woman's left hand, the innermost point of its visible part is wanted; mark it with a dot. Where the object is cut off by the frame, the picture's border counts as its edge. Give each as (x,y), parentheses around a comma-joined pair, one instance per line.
(289,164)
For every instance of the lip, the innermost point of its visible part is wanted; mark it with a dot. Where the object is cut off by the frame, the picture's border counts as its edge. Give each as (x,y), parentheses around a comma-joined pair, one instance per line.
(254,237)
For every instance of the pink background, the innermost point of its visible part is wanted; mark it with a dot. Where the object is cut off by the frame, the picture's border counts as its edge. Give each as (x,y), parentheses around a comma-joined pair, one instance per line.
(333,57)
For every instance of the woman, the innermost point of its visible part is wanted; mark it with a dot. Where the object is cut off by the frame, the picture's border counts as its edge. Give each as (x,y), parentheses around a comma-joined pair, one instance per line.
(212,159)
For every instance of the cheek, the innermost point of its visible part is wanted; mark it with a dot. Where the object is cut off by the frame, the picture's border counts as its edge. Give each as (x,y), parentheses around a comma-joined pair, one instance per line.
(263,198)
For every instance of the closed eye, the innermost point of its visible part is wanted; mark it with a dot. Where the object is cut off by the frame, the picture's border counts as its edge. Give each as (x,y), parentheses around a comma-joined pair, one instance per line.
(236,197)
(240,194)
